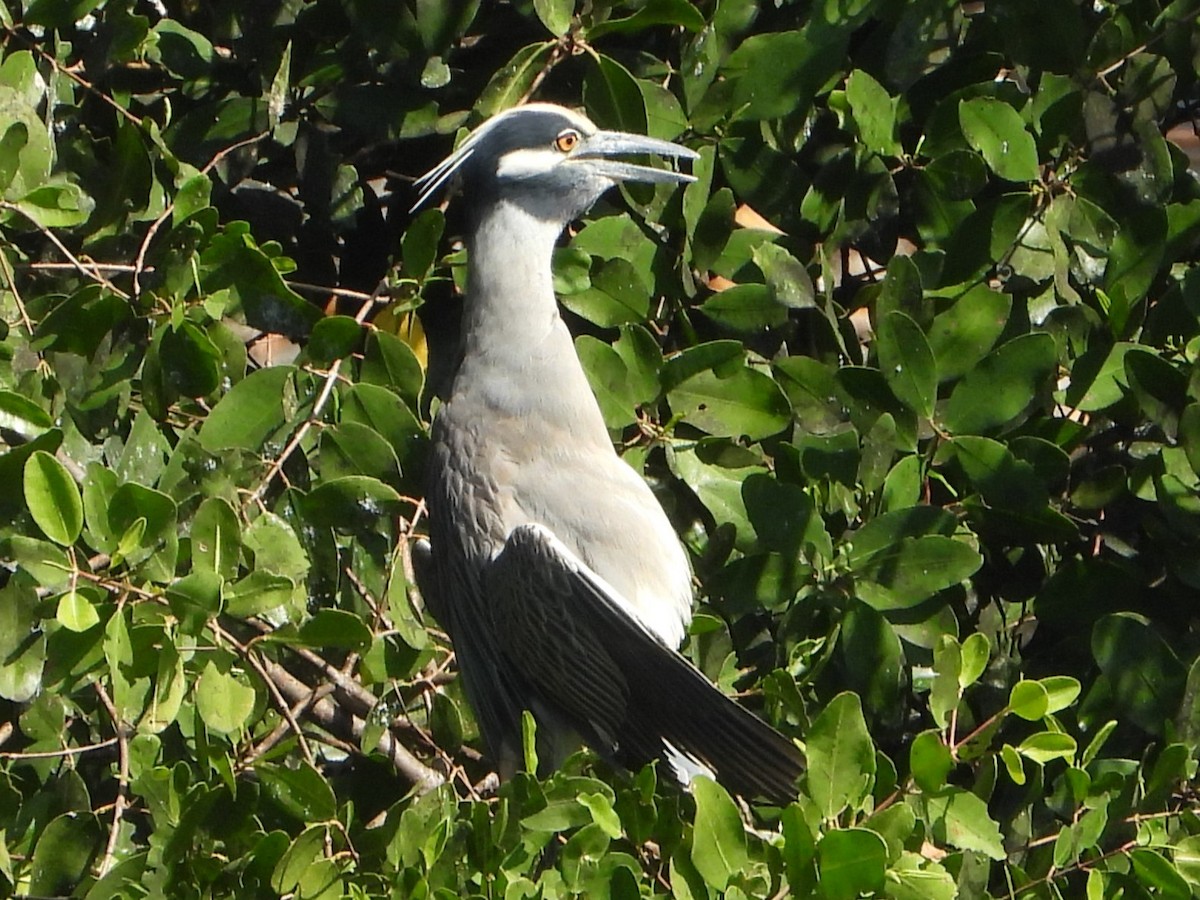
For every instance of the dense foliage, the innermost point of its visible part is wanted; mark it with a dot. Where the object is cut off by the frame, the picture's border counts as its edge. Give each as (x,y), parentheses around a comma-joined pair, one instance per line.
(913,366)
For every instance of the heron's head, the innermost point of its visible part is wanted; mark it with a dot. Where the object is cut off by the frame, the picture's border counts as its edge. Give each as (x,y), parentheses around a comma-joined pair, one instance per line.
(552,162)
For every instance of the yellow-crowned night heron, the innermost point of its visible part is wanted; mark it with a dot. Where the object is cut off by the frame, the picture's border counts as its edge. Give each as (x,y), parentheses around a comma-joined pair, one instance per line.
(551,564)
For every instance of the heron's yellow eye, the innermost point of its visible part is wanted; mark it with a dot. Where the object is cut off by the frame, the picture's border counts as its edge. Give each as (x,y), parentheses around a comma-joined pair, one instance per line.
(566,141)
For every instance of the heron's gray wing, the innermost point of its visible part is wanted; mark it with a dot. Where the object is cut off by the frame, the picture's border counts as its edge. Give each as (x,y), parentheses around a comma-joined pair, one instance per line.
(573,640)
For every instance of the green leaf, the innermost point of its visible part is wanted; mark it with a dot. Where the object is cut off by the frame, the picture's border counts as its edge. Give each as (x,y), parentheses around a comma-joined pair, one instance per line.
(976,651)
(335,628)
(529,740)
(913,877)
(301,791)
(841,757)
(53,498)
(874,113)
(1061,691)
(555,14)
(12,141)
(1096,744)
(216,538)
(1046,746)
(299,856)
(22,643)
(1012,763)
(746,308)
(22,415)
(557,816)
(419,245)
(64,853)
(609,380)
(75,612)
(350,503)
(959,818)
(930,760)
(655,12)
(250,414)
(907,362)
(612,96)
(787,280)
(1098,378)
(962,335)
(997,131)
(1029,700)
(851,863)
(916,569)
(146,519)
(391,363)
(945,691)
(886,531)
(1145,676)
(958,174)
(514,79)
(617,296)
(1133,262)
(257,593)
(276,548)
(743,402)
(195,599)
(333,338)
(997,391)
(718,837)
(1155,871)
(56,205)
(189,360)
(223,700)
(603,814)
(770,76)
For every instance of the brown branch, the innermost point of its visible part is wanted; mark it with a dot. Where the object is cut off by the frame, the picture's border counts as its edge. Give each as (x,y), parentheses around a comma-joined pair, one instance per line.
(59,754)
(279,731)
(12,286)
(263,667)
(78,79)
(122,801)
(304,287)
(93,273)
(340,722)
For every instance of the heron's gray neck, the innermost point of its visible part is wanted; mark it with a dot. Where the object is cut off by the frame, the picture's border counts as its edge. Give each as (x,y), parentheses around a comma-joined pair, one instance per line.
(510,287)
(518,358)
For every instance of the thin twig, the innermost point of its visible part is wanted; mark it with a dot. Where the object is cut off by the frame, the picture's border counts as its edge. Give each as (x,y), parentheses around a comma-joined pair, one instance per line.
(305,287)
(139,263)
(59,754)
(12,286)
(279,731)
(78,79)
(122,801)
(117,268)
(313,418)
(556,56)
(264,669)
(89,272)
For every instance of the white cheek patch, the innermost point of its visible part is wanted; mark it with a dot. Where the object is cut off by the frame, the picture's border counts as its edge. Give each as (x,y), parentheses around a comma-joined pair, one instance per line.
(528,162)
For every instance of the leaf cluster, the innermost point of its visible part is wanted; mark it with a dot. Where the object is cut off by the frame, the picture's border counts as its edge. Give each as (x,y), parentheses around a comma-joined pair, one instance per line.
(913,366)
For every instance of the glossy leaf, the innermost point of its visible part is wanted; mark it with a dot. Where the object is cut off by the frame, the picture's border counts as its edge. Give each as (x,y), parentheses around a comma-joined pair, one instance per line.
(996,130)
(719,841)
(907,362)
(851,863)
(1002,386)
(841,757)
(54,500)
